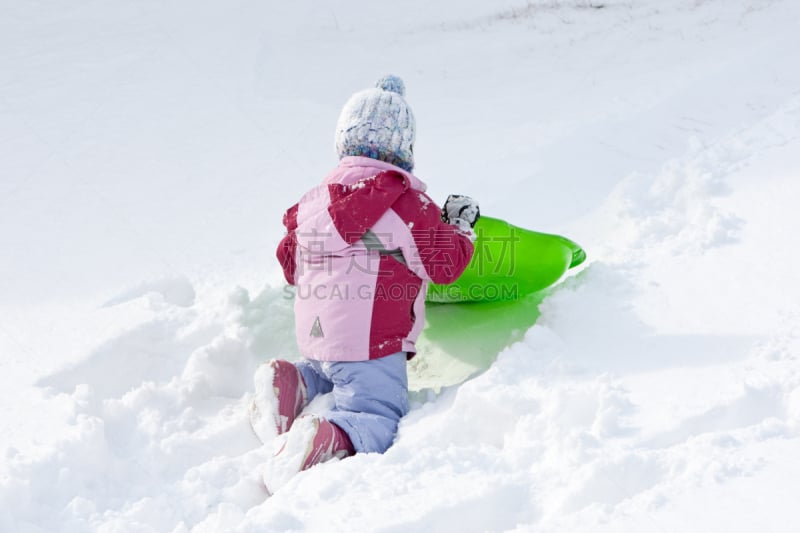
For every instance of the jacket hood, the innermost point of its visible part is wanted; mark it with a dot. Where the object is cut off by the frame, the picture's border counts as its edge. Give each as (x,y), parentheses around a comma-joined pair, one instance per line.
(355,168)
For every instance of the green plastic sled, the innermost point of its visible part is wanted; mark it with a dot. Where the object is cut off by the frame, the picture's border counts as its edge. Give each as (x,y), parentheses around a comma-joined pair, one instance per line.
(509,263)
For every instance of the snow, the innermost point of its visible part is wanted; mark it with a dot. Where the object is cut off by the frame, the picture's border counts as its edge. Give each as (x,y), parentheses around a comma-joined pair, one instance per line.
(148,150)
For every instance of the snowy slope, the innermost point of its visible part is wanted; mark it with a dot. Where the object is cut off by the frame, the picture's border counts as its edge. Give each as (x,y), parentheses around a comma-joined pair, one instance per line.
(147,151)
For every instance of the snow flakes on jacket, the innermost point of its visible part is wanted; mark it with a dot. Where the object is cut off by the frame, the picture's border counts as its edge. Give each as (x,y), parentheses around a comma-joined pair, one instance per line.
(361,249)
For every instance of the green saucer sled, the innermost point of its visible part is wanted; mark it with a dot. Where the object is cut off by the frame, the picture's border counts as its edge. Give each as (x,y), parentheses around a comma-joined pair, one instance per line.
(494,302)
(509,263)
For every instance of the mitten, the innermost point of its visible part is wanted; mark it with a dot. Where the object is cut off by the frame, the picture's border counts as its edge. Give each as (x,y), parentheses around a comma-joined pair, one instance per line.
(462,212)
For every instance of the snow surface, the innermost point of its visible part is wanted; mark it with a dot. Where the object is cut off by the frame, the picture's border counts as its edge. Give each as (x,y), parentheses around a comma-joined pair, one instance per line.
(148,150)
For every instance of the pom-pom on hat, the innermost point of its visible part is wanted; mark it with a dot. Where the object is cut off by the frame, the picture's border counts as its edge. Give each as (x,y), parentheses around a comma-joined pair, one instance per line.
(378,123)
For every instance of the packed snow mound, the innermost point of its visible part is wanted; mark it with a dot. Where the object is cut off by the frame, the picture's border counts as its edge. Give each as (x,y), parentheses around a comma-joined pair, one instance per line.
(557,433)
(658,390)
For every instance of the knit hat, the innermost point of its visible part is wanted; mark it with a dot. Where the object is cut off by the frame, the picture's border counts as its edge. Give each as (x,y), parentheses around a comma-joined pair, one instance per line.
(378,123)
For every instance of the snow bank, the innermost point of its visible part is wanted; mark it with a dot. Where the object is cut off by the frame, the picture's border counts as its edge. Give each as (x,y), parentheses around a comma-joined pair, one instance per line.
(659,389)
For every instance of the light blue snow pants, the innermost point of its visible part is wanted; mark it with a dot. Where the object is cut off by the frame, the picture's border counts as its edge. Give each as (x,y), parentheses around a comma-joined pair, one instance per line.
(370,397)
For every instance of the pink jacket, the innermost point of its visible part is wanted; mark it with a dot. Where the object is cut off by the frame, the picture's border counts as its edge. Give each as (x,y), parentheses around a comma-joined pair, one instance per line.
(361,248)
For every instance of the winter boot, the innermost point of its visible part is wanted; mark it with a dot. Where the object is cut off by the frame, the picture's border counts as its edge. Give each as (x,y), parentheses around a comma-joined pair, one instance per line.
(279,398)
(312,440)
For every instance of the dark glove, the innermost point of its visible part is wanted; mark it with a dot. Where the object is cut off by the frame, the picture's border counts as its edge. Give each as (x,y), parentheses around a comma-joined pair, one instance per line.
(460,209)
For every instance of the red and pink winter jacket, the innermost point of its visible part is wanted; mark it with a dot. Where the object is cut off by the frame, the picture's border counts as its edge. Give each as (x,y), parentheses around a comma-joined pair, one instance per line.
(360,249)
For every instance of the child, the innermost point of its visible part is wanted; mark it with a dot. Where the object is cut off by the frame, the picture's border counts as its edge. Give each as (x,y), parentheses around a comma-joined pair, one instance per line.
(360,249)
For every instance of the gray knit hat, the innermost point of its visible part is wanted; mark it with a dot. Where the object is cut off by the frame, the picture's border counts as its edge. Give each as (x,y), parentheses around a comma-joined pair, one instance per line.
(378,123)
